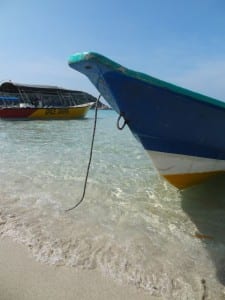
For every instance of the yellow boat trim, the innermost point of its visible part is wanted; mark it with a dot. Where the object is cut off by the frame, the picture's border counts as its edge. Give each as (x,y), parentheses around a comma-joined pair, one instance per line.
(182,181)
(60,113)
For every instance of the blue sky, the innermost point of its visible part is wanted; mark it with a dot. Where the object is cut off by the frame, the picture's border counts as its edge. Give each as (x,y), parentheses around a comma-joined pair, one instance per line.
(182,42)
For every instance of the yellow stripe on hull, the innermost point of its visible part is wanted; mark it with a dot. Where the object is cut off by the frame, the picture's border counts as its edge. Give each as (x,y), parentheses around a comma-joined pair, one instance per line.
(60,113)
(183,181)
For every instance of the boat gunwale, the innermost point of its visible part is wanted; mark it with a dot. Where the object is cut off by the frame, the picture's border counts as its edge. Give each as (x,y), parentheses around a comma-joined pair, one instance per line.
(88,56)
(48,107)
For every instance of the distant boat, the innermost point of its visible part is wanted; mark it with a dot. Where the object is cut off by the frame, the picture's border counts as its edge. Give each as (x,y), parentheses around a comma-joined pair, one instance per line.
(32,102)
(27,112)
(182,131)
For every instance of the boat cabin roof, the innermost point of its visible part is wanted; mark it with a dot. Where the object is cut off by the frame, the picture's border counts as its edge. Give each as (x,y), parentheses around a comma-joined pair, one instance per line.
(13,87)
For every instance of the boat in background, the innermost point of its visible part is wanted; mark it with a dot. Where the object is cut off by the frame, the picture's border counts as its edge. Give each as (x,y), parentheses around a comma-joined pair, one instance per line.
(33,102)
(181,130)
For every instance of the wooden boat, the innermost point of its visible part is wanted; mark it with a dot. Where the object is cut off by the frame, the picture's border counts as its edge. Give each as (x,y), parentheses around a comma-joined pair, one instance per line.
(32,102)
(181,130)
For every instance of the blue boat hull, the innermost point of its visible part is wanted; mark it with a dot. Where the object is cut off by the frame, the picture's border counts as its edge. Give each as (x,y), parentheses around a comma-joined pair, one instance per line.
(182,125)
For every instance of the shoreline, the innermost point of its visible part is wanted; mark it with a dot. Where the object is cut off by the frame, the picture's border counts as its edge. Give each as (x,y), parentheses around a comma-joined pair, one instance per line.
(24,278)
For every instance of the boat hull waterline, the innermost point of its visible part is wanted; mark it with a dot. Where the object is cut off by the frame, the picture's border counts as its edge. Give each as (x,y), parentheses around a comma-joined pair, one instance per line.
(180,129)
(50,113)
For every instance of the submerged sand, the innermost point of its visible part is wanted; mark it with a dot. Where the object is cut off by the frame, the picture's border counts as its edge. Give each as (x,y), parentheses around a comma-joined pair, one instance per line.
(23,278)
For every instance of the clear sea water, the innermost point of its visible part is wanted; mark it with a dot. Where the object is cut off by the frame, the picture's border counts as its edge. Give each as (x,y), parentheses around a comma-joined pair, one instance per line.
(132,226)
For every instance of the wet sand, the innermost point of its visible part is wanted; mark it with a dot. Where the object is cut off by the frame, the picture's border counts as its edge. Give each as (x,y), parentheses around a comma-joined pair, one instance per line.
(23,278)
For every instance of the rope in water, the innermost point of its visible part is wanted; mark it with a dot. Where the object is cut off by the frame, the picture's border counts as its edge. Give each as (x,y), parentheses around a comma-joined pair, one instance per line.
(90,156)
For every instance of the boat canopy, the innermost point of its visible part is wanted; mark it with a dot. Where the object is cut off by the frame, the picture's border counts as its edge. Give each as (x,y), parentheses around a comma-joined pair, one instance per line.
(45,95)
(13,87)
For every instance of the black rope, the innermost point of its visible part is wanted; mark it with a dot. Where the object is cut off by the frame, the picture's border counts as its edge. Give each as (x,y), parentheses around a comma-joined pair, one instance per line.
(90,157)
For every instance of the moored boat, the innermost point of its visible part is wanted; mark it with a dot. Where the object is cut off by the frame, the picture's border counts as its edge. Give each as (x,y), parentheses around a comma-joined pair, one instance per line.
(181,130)
(32,102)
(48,113)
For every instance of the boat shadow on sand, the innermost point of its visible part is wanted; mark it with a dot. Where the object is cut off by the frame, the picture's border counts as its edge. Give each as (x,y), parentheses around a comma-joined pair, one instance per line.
(205,205)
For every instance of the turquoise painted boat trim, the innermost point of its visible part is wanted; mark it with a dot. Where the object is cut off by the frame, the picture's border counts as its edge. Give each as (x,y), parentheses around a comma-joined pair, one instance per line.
(88,56)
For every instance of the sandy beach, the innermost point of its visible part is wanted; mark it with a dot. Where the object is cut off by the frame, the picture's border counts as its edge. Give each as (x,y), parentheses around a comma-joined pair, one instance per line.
(23,278)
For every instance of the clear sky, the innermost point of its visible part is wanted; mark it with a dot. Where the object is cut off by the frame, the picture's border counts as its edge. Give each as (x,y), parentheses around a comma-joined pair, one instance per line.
(182,42)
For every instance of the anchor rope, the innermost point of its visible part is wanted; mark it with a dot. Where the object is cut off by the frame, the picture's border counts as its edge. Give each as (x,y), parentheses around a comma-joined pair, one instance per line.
(90,157)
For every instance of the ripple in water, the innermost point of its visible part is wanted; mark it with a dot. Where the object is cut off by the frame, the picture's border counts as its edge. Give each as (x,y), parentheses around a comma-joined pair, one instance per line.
(132,226)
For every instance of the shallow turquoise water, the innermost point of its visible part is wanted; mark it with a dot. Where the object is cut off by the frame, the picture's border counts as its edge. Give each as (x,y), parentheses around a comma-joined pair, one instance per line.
(132,225)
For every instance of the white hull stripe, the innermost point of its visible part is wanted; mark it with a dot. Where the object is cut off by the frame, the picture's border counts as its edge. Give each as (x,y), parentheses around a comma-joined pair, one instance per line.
(169,164)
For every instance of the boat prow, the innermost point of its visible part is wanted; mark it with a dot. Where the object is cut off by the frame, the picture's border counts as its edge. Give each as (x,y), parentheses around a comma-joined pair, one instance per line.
(180,129)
